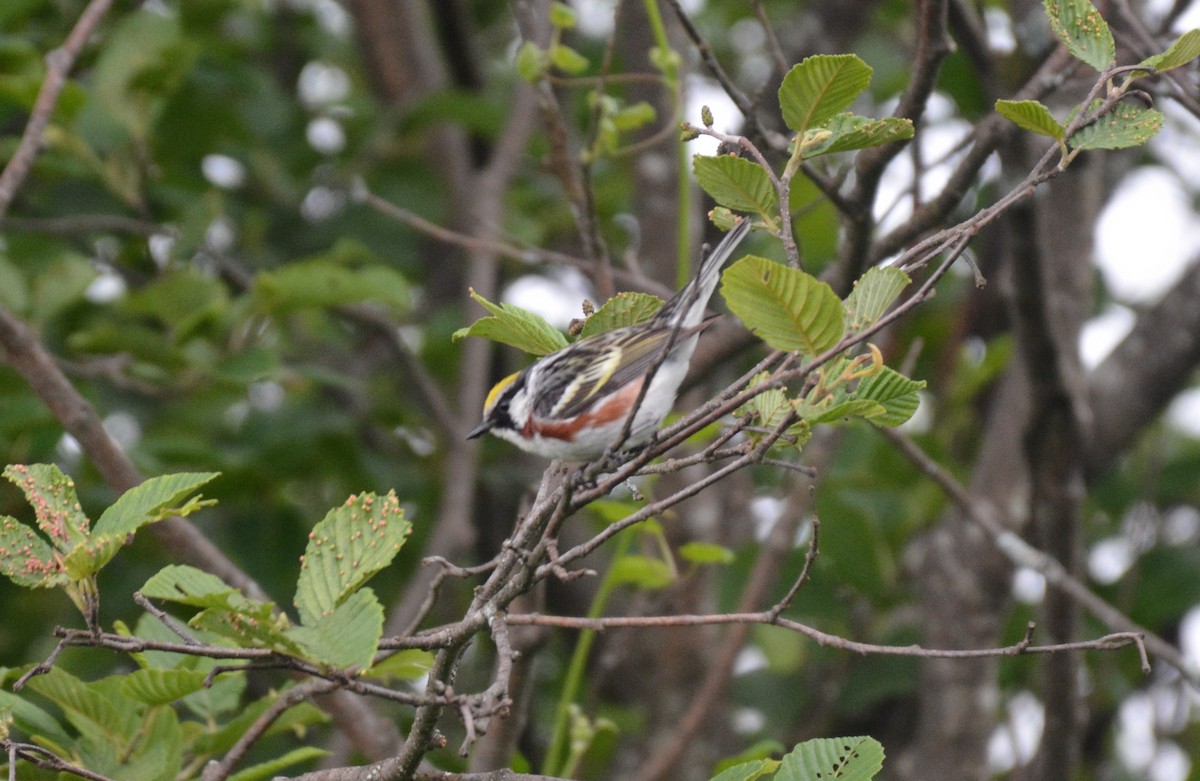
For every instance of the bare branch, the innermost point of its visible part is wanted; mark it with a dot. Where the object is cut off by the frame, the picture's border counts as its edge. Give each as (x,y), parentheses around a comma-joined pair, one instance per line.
(58,64)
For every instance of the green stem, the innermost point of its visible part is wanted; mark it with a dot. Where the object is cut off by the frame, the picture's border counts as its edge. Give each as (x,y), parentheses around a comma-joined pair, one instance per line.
(558,753)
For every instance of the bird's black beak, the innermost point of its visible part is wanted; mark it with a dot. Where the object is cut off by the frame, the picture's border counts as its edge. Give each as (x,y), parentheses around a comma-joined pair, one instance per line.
(479,430)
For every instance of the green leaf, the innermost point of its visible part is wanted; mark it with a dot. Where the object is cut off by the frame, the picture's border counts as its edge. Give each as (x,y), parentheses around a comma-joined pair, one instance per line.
(895,392)
(1129,124)
(769,407)
(531,61)
(162,687)
(748,771)
(31,719)
(706,553)
(102,715)
(151,501)
(26,558)
(55,504)
(347,547)
(850,131)
(90,556)
(190,586)
(1082,30)
(641,572)
(737,184)
(1183,51)
(621,310)
(864,408)
(324,283)
(873,293)
(271,768)
(633,117)
(156,752)
(844,759)
(783,306)
(562,16)
(820,87)
(568,60)
(346,637)
(515,327)
(1030,115)
(408,665)
(759,751)
(254,627)
(294,720)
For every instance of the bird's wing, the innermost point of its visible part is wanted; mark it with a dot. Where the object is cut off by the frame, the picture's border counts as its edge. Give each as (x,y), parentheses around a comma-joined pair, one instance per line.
(615,360)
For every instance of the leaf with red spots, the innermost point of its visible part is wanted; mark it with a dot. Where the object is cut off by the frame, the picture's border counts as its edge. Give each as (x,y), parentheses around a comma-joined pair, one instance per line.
(345,549)
(52,495)
(26,558)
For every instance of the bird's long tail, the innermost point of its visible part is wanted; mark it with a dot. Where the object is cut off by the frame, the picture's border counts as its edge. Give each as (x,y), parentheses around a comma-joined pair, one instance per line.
(693,298)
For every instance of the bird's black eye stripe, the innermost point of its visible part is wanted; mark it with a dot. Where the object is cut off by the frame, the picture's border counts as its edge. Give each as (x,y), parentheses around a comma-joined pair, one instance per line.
(500,416)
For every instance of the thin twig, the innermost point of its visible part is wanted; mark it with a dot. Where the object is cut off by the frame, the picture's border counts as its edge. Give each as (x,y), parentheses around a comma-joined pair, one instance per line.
(220,770)
(58,65)
(988,517)
(45,759)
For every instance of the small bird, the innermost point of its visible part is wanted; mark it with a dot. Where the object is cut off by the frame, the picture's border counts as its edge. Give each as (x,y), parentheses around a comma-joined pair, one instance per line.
(574,403)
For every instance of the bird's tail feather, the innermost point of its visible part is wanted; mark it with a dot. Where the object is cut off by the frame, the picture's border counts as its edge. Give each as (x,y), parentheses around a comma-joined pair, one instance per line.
(692,300)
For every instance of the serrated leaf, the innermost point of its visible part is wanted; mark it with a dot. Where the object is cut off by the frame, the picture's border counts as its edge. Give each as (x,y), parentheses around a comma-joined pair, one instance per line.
(55,504)
(151,501)
(621,310)
(347,547)
(748,771)
(844,759)
(87,708)
(706,553)
(346,637)
(737,184)
(161,687)
(769,407)
(785,307)
(850,131)
(190,586)
(1082,30)
(515,327)
(31,719)
(90,556)
(249,629)
(410,664)
(895,392)
(1183,51)
(820,87)
(271,768)
(864,408)
(26,558)
(873,293)
(1126,125)
(641,571)
(1030,115)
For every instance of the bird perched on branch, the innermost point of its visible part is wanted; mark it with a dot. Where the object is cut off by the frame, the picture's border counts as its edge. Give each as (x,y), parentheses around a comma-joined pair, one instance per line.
(576,403)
